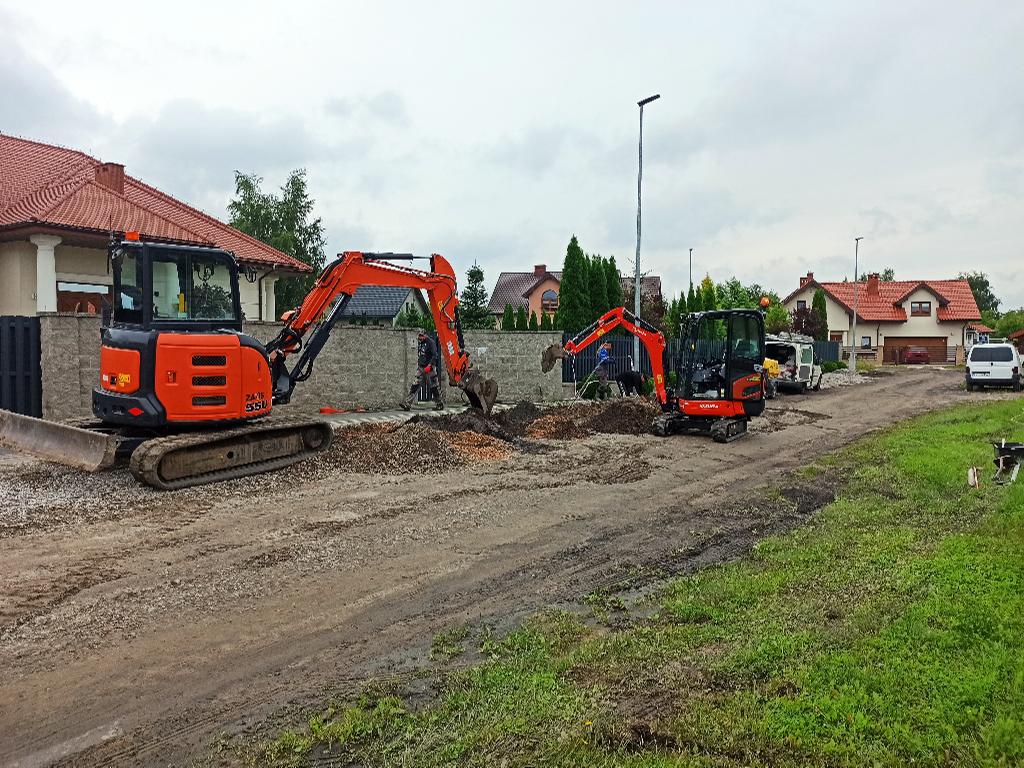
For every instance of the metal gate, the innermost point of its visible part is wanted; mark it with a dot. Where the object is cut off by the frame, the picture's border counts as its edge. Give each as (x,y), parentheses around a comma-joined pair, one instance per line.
(21,382)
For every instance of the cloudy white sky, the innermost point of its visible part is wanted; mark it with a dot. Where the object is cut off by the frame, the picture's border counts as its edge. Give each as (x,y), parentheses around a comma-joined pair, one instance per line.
(494,131)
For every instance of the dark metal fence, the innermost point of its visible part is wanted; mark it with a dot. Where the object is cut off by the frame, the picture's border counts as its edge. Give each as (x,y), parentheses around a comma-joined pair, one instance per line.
(21,388)
(828,350)
(622,358)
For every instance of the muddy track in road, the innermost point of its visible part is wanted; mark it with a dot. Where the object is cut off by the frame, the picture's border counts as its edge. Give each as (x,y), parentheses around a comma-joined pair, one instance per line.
(135,626)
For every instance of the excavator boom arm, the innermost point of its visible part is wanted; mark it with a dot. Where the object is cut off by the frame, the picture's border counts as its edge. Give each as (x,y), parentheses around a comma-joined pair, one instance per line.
(340,280)
(652,339)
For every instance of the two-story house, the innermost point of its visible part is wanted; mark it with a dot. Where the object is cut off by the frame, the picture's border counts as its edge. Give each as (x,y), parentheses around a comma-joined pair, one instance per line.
(893,315)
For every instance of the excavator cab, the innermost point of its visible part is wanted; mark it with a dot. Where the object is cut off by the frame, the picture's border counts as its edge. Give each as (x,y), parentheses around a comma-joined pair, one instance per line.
(174,351)
(719,375)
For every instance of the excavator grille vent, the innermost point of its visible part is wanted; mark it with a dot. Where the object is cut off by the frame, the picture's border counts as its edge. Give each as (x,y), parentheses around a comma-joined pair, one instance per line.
(208,360)
(209,381)
(209,400)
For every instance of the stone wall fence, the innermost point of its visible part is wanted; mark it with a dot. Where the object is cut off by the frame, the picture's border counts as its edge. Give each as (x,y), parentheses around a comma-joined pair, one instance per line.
(359,367)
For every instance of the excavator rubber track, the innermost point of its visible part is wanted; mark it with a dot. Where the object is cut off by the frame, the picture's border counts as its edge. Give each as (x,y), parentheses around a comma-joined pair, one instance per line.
(187,460)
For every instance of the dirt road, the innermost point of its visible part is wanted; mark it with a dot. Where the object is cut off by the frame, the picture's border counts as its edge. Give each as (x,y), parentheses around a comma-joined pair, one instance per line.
(136,625)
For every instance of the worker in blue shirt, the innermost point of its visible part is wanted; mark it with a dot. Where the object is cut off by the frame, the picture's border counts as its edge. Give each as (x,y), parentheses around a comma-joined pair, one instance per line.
(603,370)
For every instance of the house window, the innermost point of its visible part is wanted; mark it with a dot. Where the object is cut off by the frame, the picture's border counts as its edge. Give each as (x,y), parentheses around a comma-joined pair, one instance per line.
(865,342)
(549,301)
(920,309)
(83,297)
(834,336)
(801,304)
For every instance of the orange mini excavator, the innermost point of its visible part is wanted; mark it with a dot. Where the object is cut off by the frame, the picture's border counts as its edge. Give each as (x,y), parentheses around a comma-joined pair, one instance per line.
(719,382)
(187,394)
(618,317)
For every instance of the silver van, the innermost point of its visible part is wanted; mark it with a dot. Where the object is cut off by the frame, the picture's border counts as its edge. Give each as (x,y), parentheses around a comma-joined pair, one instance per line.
(798,368)
(993,365)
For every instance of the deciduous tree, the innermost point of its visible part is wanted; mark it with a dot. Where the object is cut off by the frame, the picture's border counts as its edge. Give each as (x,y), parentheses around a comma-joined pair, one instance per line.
(284,221)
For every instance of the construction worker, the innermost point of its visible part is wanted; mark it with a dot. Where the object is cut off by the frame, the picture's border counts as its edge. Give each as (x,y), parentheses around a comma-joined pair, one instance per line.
(426,371)
(631,383)
(603,370)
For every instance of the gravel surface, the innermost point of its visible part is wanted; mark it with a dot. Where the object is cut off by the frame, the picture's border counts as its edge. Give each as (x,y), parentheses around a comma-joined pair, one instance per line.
(137,625)
(842,379)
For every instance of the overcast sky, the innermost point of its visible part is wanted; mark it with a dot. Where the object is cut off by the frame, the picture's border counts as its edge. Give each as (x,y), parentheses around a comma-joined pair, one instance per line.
(494,131)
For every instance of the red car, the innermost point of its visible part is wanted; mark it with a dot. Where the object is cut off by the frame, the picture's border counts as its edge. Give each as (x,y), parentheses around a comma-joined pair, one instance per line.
(911,355)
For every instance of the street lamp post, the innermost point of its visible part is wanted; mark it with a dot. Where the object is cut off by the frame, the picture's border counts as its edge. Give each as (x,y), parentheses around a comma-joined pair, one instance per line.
(639,179)
(856,306)
(691,266)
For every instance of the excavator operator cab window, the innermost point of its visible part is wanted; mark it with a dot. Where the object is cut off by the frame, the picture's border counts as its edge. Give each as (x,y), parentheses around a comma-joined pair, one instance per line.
(719,349)
(175,286)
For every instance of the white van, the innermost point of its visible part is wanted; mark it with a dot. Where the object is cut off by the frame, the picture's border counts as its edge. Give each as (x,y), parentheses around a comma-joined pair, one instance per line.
(993,365)
(799,369)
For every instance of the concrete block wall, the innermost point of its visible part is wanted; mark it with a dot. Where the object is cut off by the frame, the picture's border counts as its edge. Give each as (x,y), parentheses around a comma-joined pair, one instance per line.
(360,367)
(69,360)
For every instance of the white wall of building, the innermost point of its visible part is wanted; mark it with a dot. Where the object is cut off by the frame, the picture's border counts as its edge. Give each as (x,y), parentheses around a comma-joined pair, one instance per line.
(17,278)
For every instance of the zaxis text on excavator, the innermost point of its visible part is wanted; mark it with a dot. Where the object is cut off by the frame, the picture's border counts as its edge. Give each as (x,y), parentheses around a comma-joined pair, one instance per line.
(187,393)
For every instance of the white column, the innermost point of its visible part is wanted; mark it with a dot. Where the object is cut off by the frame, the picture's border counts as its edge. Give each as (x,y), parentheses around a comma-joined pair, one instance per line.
(46,272)
(269,304)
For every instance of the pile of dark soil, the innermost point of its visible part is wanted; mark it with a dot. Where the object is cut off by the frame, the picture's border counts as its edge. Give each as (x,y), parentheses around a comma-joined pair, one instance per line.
(412,447)
(622,416)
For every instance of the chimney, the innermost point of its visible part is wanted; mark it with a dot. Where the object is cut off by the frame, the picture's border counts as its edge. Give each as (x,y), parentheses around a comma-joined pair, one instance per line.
(111,176)
(540,269)
(872,284)
(805,280)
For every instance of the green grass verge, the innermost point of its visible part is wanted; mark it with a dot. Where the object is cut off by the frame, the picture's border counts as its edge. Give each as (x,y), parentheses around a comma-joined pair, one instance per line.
(888,631)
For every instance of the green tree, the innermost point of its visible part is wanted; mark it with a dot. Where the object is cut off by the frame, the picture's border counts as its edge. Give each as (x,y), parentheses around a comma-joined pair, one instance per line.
(693,303)
(1009,322)
(533,324)
(676,309)
(522,324)
(982,290)
(284,222)
(508,319)
(596,274)
(574,293)
(411,318)
(613,283)
(821,310)
(709,298)
(887,275)
(776,319)
(473,310)
(545,321)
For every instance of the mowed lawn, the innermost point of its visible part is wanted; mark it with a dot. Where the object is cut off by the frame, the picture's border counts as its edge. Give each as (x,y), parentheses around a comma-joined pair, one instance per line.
(889,630)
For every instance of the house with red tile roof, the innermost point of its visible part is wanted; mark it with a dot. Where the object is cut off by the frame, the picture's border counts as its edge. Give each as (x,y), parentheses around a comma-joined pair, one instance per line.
(538,290)
(896,314)
(58,207)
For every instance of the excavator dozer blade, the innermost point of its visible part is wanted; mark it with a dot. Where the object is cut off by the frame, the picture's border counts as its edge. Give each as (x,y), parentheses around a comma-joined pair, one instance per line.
(64,444)
(550,356)
(482,393)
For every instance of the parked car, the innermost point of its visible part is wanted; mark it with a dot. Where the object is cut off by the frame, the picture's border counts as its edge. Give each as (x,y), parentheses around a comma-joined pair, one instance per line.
(911,355)
(993,365)
(799,369)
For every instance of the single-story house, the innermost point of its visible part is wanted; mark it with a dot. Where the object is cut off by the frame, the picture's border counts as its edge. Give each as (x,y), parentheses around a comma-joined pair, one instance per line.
(977,333)
(58,208)
(538,290)
(382,304)
(934,314)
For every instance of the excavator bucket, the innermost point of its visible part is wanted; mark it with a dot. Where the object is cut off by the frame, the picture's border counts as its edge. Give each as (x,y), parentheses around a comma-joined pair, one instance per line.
(550,356)
(482,393)
(72,446)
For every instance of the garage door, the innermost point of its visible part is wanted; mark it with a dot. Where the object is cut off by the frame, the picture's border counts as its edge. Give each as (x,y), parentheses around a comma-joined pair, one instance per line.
(936,346)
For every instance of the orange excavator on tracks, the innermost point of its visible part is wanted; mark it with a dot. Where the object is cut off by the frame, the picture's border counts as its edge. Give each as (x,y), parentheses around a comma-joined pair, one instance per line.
(188,396)
(720,379)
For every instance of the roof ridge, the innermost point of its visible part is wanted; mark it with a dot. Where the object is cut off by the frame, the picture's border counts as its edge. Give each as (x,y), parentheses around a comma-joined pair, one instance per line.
(205,216)
(61,147)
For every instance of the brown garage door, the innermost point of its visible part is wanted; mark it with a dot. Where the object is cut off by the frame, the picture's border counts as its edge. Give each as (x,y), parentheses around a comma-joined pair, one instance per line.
(936,346)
